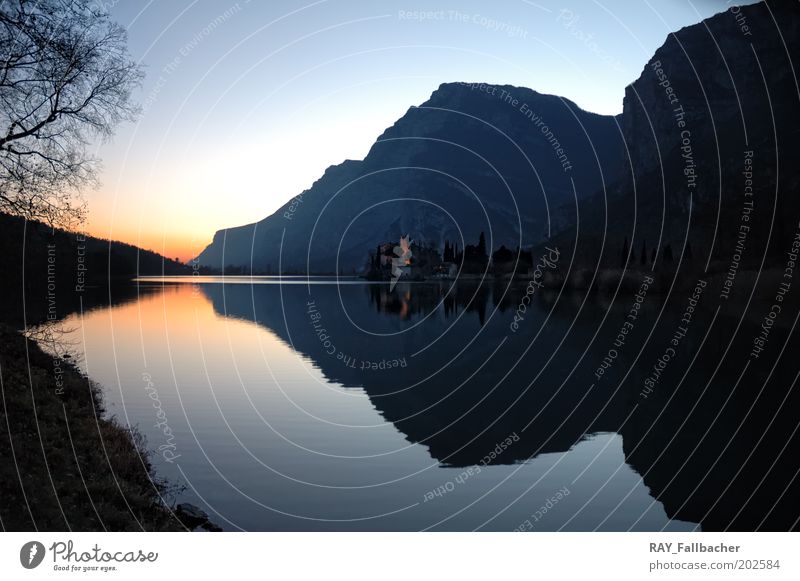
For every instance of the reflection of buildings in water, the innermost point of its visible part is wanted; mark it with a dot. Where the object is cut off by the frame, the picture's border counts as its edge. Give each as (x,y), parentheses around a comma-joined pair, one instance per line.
(407,300)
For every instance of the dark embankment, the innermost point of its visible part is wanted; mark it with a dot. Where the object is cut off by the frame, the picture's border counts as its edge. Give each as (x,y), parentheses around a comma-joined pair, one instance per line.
(67,466)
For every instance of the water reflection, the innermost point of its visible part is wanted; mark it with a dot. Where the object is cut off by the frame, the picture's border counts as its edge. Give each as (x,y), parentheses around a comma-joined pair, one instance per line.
(410,300)
(345,406)
(715,446)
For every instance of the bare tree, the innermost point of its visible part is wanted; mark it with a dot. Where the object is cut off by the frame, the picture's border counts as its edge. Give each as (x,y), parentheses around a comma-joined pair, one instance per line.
(65,80)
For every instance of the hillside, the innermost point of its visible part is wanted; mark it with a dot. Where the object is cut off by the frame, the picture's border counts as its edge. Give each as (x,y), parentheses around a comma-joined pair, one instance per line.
(63,270)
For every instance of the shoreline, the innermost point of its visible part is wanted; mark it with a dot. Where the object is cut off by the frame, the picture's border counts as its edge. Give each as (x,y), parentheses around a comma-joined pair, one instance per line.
(70,467)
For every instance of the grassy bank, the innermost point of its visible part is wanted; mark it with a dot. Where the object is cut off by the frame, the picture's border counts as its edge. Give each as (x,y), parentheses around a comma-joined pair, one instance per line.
(64,465)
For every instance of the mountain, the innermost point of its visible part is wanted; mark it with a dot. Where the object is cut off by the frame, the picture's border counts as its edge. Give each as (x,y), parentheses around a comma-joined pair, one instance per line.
(699,170)
(473,158)
(711,132)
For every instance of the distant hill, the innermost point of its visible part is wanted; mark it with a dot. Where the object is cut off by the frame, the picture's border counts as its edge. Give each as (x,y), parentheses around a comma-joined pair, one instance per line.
(53,270)
(473,158)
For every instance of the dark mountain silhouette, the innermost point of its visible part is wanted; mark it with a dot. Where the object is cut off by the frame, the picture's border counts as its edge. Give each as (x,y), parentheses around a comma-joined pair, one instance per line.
(711,125)
(471,159)
(713,102)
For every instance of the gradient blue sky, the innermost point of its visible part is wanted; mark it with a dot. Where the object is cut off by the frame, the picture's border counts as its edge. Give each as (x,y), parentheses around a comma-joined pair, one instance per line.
(246,103)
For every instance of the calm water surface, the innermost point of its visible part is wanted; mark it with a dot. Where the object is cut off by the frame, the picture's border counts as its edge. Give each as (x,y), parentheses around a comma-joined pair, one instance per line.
(297,405)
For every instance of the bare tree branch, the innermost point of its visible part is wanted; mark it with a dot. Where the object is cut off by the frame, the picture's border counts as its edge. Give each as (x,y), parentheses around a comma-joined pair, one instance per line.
(65,80)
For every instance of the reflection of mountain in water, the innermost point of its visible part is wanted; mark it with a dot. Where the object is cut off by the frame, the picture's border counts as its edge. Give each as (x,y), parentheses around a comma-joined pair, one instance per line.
(713,448)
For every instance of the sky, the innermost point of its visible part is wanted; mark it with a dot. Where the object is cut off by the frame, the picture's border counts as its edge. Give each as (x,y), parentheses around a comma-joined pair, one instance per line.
(246,103)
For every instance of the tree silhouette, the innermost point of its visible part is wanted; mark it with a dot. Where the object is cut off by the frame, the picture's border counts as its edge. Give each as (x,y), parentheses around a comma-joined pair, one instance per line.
(448,255)
(65,80)
(624,257)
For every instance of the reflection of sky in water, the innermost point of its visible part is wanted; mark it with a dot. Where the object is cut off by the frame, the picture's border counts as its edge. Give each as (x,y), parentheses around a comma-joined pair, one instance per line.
(260,434)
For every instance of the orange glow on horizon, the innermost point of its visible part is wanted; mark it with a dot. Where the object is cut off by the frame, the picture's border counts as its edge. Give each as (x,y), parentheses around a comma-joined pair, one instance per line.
(179,245)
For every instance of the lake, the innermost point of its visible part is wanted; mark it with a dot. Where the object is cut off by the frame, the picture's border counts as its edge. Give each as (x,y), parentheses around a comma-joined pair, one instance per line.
(317,404)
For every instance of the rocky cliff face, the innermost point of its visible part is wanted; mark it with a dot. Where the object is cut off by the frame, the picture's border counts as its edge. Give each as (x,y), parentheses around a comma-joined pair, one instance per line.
(716,86)
(711,131)
(473,158)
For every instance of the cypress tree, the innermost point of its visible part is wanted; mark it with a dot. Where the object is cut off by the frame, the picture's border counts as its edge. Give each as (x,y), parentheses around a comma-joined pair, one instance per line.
(624,257)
